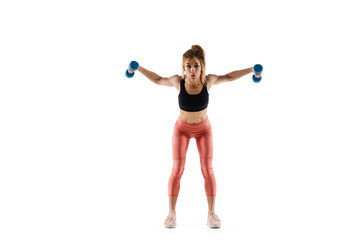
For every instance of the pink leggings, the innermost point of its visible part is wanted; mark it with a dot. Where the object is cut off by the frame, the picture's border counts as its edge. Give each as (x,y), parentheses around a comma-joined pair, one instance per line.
(182,134)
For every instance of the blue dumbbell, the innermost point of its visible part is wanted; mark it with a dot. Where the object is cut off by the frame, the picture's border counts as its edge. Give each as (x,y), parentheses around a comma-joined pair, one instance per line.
(257,69)
(132,68)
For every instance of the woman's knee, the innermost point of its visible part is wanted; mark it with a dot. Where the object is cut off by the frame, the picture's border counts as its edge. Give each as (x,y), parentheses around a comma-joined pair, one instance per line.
(177,172)
(207,172)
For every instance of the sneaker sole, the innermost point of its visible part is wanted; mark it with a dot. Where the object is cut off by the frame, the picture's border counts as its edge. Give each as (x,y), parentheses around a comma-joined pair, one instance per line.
(171,226)
(213,226)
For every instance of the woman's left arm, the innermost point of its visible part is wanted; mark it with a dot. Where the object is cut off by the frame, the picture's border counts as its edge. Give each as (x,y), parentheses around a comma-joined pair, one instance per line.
(230,76)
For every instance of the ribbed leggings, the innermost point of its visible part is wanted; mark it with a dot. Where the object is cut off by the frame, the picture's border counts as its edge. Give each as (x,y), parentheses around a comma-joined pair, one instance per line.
(182,134)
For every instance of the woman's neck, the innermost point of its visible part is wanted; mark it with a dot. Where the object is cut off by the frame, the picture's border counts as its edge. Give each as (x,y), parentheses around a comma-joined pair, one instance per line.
(193,84)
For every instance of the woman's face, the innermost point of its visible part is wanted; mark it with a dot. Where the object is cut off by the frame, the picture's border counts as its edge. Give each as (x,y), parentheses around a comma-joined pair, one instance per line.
(192,69)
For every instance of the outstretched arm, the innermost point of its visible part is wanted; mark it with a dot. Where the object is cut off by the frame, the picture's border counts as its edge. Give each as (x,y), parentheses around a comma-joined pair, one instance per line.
(238,74)
(170,82)
(230,76)
(150,75)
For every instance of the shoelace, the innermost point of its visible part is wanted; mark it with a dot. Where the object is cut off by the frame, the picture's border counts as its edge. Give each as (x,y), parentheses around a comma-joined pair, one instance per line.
(213,216)
(171,217)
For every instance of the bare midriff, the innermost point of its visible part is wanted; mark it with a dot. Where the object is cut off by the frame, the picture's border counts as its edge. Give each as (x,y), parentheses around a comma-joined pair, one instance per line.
(193,117)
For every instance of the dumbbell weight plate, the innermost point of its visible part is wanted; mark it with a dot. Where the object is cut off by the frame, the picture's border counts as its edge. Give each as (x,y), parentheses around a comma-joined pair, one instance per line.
(258,68)
(129,75)
(134,65)
(255,79)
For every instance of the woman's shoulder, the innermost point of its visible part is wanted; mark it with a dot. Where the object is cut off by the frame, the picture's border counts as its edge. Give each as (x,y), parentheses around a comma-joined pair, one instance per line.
(211,78)
(175,79)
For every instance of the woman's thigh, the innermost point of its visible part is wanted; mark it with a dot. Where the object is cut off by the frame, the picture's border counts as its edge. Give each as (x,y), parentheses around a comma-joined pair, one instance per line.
(204,143)
(180,144)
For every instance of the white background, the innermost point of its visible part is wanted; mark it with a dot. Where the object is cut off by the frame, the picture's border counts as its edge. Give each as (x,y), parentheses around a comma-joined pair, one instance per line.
(86,152)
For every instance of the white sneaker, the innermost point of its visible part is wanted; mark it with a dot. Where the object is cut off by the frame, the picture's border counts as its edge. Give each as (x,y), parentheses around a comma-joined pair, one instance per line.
(213,220)
(170,221)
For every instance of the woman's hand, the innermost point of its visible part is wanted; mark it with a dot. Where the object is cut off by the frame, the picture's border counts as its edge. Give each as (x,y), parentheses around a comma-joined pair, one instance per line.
(129,69)
(256,75)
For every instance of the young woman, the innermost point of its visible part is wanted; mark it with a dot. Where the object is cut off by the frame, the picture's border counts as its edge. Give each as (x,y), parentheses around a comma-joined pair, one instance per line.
(193,122)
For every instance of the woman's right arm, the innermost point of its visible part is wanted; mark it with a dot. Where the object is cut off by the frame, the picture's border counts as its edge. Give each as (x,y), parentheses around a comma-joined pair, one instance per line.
(156,78)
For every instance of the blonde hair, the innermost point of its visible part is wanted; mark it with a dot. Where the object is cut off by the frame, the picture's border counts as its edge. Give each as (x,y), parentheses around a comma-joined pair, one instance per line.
(198,54)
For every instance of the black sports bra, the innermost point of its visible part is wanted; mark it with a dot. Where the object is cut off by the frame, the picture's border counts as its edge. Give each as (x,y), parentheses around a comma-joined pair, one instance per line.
(193,103)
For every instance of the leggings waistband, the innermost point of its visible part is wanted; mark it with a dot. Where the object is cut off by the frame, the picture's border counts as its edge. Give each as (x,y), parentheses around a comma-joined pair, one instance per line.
(193,127)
